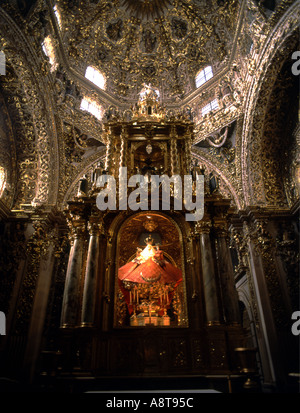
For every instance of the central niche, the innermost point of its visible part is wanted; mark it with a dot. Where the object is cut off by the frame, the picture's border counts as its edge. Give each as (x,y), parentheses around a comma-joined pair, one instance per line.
(150,280)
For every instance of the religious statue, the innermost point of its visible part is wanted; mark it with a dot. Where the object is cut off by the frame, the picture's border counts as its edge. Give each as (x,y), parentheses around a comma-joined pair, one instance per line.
(83,186)
(148,283)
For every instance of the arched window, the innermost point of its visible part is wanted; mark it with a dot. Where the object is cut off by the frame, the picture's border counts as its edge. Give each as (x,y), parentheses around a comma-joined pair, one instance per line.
(95,76)
(49,51)
(57,15)
(2,180)
(209,107)
(203,76)
(91,107)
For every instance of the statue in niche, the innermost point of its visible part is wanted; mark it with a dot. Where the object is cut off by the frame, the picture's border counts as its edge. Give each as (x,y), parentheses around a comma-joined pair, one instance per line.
(196,169)
(96,174)
(103,54)
(225,92)
(188,113)
(213,183)
(179,28)
(72,89)
(83,186)
(111,113)
(127,115)
(114,30)
(149,40)
(194,53)
(149,70)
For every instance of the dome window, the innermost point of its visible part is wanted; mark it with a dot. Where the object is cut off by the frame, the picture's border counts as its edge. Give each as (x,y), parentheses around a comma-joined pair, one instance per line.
(213,105)
(95,76)
(49,51)
(203,76)
(2,180)
(57,16)
(91,107)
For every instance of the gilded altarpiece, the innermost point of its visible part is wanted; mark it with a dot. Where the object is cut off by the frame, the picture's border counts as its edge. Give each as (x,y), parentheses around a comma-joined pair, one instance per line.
(145,290)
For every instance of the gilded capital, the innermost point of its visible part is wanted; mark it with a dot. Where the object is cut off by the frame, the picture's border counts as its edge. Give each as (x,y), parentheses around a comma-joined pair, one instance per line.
(203,227)
(95,227)
(221,228)
(77,226)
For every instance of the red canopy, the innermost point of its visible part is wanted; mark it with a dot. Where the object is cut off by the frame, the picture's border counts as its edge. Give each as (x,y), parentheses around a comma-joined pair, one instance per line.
(154,269)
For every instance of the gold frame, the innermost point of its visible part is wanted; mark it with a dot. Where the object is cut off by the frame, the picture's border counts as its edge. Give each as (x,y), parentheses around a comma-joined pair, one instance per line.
(115,241)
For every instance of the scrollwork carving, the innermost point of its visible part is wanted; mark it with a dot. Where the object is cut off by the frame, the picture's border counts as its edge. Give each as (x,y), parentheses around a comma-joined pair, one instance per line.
(265,247)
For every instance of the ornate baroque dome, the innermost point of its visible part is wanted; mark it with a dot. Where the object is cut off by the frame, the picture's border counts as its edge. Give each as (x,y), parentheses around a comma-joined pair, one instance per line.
(163,42)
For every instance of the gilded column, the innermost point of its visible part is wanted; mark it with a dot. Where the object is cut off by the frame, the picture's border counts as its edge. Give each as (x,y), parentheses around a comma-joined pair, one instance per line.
(208,273)
(188,158)
(95,227)
(173,151)
(123,149)
(70,304)
(108,157)
(226,273)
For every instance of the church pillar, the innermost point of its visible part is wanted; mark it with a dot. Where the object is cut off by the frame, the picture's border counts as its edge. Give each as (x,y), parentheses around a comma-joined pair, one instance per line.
(273,329)
(71,293)
(92,269)
(226,273)
(208,273)
(39,311)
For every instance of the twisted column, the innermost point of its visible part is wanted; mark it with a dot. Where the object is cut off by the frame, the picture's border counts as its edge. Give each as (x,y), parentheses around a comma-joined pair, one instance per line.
(123,150)
(108,157)
(72,285)
(173,152)
(208,273)
(95,227)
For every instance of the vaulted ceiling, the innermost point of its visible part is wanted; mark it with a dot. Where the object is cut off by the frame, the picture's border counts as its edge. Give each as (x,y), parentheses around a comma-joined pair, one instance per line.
(161,42)
(48,141)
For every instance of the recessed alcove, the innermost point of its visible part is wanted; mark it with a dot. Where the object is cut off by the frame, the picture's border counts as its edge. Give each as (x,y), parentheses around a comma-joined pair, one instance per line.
(150,280)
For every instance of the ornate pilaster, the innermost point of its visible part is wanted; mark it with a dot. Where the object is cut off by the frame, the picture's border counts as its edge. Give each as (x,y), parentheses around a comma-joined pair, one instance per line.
(208,272)
(287,249)
(269,293)
(228,291)
(188,146)
(264,248)
(95,228)
(71,293)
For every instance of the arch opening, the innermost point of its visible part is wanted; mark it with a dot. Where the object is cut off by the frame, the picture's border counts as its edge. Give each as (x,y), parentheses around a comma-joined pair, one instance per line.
(150,277)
